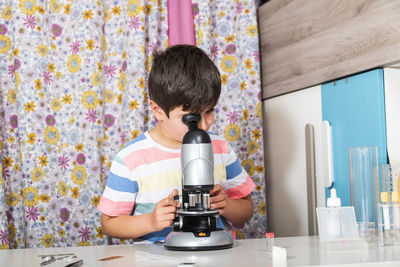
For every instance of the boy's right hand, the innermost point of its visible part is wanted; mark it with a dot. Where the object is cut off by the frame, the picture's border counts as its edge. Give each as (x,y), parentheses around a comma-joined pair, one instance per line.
(164,213)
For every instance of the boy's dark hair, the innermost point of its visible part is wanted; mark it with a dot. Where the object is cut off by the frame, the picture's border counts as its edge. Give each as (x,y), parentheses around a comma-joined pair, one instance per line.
(183,75)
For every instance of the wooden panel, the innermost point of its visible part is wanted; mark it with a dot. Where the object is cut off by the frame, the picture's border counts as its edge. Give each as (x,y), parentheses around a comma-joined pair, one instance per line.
(308,42)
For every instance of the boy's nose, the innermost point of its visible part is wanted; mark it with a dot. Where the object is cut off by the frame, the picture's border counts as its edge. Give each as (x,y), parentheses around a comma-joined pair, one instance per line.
(203,124)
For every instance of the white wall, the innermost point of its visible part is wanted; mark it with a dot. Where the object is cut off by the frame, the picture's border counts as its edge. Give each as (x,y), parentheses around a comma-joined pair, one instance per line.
(285,118)
(392,105)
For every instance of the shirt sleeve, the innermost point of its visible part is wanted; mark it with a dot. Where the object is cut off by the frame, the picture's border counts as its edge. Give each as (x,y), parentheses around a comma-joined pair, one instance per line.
(238,183)
(120,192)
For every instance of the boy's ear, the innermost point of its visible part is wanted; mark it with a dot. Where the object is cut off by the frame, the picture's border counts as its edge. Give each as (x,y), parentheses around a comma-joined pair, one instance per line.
(158,112)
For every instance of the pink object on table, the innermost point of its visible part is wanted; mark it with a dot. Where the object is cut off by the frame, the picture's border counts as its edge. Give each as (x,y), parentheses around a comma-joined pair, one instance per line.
(180,22)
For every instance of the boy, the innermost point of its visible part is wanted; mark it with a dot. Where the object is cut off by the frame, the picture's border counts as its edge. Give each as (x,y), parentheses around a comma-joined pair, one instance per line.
(146,174)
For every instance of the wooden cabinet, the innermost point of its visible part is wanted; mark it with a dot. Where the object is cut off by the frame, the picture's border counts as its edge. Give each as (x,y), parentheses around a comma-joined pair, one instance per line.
(308,42)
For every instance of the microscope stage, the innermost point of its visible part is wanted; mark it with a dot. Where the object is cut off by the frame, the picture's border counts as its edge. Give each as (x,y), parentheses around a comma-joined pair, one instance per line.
(197,213)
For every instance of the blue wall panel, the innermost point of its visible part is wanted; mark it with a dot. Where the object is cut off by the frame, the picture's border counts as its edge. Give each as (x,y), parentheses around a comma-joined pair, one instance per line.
(355,109)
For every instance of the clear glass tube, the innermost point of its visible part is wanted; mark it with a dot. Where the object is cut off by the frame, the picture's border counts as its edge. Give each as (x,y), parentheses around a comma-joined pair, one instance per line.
(364,185)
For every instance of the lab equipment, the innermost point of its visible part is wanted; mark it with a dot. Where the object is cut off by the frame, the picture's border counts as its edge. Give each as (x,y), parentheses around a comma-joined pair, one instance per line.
(195,227)
(388,231)
(364,185)
(336,222)
(270,241)
(389,209)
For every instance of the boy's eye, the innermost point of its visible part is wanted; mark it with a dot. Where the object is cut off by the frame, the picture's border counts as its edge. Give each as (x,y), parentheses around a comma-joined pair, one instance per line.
(210,110)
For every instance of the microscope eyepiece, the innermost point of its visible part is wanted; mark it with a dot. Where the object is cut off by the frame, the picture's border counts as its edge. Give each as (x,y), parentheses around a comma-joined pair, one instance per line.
(194,135)
(191,120)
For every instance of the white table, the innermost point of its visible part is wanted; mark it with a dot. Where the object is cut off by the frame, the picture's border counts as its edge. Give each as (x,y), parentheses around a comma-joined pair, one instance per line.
(301,251)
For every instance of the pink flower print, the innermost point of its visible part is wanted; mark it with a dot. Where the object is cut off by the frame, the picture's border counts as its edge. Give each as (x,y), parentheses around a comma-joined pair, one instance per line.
(30,22)
(134,23)
(12,68)
(195,8)
(109,120)
(9,216)
(80,159)
(56,30)
(214,51)
(63,162)
(3,29)
(32,214)
(123,137)
(50,120)
(124,65)
(47,77)
(154,46)
(17,64)
(84,233)
(14,121)
(64,214)
(75,47)
(256,55)
(239,8)
(6,174)
(230,49)
(110,70)
(4,236)
(91,115)
(233,116)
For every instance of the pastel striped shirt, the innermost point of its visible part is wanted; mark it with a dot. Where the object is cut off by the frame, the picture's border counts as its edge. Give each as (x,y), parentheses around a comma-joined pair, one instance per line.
(144,172)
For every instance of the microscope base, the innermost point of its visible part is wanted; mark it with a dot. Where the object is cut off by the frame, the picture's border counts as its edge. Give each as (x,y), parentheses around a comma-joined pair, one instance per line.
(188,241)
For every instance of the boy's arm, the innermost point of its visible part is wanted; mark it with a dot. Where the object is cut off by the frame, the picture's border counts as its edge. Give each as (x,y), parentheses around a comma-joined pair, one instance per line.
(237,211)
(127,226)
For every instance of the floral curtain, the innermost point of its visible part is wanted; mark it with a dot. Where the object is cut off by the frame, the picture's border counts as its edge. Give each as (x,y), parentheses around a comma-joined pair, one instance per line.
(73,77)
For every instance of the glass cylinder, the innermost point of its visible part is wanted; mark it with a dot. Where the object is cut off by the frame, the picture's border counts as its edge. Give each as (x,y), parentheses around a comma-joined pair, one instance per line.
(364,185)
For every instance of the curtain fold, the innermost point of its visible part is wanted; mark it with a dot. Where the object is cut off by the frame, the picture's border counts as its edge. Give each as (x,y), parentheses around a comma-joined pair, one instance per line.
(180,22)
(3,215)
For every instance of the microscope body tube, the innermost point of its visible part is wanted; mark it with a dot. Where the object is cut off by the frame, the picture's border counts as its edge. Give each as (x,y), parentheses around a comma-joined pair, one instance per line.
(197,167)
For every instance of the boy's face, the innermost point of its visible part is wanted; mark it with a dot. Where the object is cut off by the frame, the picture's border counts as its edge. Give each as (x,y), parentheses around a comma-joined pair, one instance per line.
(172,127)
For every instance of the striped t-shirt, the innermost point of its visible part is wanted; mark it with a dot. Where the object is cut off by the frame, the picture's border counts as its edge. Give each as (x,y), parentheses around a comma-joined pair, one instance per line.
(144,172)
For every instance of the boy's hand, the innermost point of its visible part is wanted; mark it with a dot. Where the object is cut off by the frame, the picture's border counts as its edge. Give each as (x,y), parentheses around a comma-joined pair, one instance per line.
(219,199)
(164,213)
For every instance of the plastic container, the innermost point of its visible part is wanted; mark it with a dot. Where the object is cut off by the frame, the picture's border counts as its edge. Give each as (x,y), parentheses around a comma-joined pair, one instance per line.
(269,241)
(388,229)
(336,222)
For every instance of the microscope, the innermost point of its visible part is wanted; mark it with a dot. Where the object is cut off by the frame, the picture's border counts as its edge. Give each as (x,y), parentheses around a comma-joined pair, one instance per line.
(195,225)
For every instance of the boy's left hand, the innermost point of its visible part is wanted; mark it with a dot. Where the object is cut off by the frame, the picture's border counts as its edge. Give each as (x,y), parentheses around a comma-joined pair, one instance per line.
(219,199)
